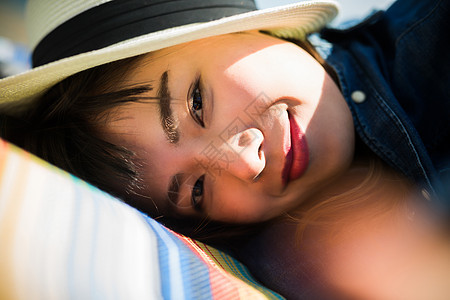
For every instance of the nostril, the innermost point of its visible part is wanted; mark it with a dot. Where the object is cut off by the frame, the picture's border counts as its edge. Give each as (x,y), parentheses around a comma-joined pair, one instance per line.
(257,177)
(259,151)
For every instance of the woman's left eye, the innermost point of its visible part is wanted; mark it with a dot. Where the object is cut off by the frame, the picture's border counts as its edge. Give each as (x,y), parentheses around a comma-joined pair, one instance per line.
(196,104)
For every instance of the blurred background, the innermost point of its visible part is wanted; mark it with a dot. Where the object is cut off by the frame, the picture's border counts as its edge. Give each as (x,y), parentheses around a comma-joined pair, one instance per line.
(11,16)
(14,53)
(350,9)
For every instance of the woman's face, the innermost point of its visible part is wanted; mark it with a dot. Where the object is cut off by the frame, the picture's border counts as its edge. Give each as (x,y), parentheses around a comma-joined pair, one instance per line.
(246,127)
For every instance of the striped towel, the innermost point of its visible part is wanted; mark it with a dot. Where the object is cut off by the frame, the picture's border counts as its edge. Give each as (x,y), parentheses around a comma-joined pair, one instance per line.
(61,238)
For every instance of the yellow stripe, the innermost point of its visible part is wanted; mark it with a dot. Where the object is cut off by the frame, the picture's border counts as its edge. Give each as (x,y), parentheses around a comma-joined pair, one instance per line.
(229,264)
(9,222)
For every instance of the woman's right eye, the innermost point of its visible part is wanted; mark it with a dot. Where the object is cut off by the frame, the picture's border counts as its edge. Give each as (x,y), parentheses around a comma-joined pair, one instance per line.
(197,193)
(196,104)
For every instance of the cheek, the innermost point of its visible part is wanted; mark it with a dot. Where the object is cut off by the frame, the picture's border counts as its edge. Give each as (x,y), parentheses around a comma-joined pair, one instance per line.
(331,124)
(246,76)
(235,202)
(263,70)
(279,71)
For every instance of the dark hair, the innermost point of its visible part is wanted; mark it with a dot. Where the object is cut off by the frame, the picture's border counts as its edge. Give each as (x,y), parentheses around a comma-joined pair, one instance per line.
(378,192)
(61,127)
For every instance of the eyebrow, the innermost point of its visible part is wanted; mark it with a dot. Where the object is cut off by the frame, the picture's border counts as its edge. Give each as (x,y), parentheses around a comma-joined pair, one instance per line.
(168,123)
(174,188)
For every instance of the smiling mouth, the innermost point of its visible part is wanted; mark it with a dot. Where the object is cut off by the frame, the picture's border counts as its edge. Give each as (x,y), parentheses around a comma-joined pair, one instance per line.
(297,157)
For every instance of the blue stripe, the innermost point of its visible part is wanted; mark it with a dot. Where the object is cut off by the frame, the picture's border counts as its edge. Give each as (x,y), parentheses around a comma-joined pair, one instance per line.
(195,274)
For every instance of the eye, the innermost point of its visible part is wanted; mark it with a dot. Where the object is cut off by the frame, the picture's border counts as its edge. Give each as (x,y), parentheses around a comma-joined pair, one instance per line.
(196,104)
(197,193)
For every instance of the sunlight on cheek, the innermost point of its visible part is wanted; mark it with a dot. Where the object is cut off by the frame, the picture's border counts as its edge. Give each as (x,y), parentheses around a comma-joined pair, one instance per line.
(313,93)
(260,70)
(247,78)
(312,83)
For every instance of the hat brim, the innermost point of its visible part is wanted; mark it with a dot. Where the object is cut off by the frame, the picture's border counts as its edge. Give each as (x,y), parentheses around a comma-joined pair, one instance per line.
(289,21)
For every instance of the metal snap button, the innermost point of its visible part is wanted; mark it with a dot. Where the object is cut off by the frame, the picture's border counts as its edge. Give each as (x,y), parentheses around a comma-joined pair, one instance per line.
(358,97)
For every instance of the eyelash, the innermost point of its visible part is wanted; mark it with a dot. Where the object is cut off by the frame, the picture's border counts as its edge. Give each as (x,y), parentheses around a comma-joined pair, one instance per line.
(194,98)
(197,193)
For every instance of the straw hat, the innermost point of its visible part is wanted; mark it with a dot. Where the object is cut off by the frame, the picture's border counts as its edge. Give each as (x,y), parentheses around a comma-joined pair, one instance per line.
(69,36)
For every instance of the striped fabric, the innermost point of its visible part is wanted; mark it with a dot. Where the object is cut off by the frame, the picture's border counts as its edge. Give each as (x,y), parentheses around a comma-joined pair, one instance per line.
(61,238)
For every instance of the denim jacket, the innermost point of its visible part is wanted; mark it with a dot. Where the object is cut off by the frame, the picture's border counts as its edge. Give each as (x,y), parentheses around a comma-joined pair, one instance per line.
(394,72)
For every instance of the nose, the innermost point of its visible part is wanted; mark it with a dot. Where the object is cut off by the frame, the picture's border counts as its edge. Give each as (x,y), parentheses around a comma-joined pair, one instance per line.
(243,154)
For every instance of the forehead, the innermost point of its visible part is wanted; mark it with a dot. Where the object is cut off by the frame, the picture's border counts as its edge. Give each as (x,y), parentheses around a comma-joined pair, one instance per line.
(238,44)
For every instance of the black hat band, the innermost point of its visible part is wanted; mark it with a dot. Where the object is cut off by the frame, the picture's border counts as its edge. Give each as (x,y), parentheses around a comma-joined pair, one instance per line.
(119,20)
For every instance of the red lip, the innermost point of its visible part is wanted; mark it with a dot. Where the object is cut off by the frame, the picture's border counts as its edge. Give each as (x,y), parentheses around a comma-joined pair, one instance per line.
(297,157)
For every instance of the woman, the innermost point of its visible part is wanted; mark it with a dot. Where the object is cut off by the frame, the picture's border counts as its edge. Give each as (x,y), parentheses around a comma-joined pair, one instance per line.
(81,125)
(196,119)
